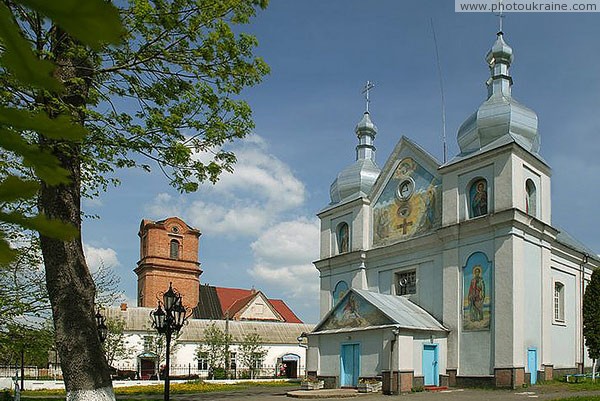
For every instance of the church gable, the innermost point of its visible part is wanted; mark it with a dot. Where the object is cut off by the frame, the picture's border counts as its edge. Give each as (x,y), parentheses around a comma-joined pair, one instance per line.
(257,308)
(408,198)
(353,311)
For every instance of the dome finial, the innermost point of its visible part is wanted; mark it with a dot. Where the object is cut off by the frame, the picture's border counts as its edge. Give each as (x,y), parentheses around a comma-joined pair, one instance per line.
(368,86)
(500,16)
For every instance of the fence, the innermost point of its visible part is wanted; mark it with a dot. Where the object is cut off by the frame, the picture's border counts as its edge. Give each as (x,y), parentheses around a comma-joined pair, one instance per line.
(32,372)
(131,372)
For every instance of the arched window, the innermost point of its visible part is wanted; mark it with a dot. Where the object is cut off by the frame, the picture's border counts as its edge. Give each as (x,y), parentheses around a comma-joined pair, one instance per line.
(174,249)
(343,237)
(530,198)
(340,290)
(559,302)
(478,198)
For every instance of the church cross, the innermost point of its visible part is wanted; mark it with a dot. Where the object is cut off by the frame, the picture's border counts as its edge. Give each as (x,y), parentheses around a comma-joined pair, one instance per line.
(404,226)
(500,14)
(368,86)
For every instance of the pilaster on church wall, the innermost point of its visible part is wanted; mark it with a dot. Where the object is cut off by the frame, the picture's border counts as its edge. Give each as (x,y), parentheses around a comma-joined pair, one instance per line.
(504,173)
(503,303)
(326,235)
(452,303)
(450,199)
(547,306)
(520,284)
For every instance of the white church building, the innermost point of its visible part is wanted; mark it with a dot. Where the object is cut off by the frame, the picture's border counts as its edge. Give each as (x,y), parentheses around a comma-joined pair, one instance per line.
(450,274)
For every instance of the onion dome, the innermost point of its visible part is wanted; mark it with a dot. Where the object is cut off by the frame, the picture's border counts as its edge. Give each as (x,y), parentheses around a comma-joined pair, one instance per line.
(500,115)
(358,178)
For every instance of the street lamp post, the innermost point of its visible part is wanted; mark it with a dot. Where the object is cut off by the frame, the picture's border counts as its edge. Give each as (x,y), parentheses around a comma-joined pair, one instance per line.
(168,321)
(101,323)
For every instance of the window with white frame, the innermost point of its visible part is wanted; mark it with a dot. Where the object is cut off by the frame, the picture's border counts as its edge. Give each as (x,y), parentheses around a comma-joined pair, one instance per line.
(148,343)
(257,361)
(559,302)
(203,361)
(406,282)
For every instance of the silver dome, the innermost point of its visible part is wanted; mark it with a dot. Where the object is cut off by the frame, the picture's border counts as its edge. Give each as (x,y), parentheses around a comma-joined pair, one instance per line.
(358,178)
(500,114)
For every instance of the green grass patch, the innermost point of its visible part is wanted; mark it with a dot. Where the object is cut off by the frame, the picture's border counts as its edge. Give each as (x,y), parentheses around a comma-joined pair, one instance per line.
(584,398)
(176,388)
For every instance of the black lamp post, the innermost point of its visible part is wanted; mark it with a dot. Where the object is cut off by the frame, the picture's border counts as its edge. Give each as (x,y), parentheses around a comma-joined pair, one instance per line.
(168,321)
(101,323)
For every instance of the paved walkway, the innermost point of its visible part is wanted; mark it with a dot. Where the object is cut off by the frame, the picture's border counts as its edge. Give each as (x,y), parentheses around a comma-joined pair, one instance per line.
(280,394)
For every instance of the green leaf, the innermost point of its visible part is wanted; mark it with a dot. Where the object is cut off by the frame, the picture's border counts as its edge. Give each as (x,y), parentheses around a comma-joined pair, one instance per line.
(93,22)
(13,188)
(53,228)
(45,165)
(20,59)
(60,127)
(7,254)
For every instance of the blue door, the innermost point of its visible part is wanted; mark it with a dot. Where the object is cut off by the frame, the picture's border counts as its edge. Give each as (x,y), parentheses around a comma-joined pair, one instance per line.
(350,365)
(532,364)
(430,365)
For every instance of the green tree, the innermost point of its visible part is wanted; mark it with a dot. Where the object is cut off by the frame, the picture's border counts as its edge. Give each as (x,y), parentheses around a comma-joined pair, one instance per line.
(115,345)
(251,353)
(32,343)
(171,90)
(591,318)
(215,348)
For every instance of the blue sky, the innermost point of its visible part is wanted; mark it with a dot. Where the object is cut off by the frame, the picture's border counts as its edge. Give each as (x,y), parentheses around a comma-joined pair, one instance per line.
(259,226)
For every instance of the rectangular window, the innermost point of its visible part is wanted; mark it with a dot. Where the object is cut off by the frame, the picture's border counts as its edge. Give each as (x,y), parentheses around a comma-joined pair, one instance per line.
(148,343)
(232,364)
(559,302)
(406,282)
(258,361)
(202,361)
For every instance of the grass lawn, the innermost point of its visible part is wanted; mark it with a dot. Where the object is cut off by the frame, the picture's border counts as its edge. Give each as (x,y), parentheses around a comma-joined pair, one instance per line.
(156,390)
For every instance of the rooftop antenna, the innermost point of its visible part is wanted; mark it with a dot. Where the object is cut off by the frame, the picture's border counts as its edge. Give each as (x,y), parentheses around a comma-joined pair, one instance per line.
(368,86)
(439,69)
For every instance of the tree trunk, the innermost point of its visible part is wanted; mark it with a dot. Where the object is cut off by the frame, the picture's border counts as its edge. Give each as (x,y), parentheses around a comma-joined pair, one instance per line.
(70,285)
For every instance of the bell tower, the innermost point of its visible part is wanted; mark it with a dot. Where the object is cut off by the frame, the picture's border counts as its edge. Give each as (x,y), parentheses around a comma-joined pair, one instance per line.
(168,253)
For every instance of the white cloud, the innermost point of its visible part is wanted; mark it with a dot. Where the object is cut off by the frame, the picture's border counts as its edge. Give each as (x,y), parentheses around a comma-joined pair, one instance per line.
(165,205)
(261,188)
(284,255)
(246,220)
(95,257)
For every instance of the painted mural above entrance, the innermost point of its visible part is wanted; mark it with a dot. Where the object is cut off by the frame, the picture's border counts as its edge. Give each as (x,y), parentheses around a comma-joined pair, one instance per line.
(477,293)
(410,204)
(353,312)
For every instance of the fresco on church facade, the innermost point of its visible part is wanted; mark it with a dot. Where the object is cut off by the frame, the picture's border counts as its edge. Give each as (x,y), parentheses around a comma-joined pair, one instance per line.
(478,198)
(477,293)
(354,311)
(410,204)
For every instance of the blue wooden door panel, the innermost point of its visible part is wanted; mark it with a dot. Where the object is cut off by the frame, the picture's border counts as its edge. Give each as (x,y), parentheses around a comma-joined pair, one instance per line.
(532,364)
(350,365)
(430,365)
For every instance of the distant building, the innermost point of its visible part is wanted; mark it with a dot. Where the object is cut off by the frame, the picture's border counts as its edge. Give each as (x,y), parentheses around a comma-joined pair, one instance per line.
(450,273)
(169,254)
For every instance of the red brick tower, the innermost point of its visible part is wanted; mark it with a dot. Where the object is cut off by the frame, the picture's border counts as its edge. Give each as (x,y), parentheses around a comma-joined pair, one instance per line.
(168,253)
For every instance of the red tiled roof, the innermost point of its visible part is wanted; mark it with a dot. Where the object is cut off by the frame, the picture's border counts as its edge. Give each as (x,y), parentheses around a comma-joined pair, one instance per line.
(234,299)
(285,311)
